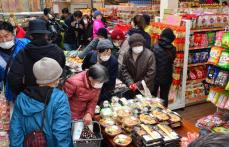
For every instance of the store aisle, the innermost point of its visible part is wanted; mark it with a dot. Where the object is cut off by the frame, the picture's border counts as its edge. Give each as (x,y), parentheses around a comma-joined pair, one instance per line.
(193,113)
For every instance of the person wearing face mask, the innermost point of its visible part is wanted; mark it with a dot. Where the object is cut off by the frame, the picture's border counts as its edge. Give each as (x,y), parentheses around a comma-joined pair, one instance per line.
(45,97)
(83,90)
(74,35)
(9,48)
(103,55)
(98,23)
(102,34)
(138,64)
(118,38)
(165,54)
(88,29)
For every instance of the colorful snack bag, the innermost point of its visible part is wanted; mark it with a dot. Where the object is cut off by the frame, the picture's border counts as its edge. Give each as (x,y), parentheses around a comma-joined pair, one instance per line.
(227,87)
(225,40)
(211,38)
(204,57)
(215,54)
(222,78)
(219,36)
(224,60)
(212,74)
(196,58)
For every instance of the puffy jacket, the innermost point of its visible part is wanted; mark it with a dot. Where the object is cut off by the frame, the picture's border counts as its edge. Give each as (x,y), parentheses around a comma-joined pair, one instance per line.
(82,96)
(111,65)
(96,26)
(165,54)
(143,69)
(21,74)
(27,117)
(7,57)
(20,32)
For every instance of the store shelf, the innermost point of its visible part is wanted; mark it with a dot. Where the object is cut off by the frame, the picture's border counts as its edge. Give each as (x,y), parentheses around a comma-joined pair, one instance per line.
(207,30)
(197,100)
(199,47)
(195,81)
(197,64)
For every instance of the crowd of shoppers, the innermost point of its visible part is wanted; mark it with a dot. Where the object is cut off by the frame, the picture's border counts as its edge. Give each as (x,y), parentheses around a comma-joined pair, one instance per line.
(30,70)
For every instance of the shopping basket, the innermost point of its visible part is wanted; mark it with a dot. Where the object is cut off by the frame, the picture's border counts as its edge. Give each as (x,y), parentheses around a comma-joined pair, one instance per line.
(89,142)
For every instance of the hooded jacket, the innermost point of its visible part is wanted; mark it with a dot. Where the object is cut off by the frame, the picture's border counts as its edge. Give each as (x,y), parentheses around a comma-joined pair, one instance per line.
(83,97)
(97,24)
(165,54)
(27,116)
(143,69)
(21,73)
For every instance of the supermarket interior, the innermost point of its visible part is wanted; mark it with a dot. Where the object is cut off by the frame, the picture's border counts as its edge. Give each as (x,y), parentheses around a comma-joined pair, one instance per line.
(109,73)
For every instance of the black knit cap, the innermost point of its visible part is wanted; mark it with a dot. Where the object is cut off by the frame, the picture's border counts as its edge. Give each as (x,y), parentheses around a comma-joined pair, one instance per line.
(168,35)
(102,32)
(136,40)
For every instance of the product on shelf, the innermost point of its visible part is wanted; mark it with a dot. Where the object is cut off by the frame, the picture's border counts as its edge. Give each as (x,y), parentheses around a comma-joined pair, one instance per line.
(219,36)
(222,78)
(212,74)
(211,38)
(225,40)
(209,122)
(215,54)
(224,60)
(196,73)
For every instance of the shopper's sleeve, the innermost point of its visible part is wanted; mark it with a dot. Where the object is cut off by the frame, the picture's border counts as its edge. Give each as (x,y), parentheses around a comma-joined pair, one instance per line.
(61,127)
(87,49)
(92,104)
(70,87)
(151,72)
(124,73)
(16,75)
(16,134)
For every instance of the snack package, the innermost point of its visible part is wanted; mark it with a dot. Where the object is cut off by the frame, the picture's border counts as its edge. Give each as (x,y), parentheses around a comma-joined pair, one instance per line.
(204,57)
(213,96)
(224,60)
(222,78)
(227,87)
(219,36)
(222,101)
(211,20)
(225,40)
(212,74)
(211,38)
(196,58)
(215,54)
(209,122)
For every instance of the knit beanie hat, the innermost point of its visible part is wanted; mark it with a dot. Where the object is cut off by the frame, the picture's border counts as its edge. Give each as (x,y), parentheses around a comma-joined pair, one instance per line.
(104,44)
(47,70)
(117,35)
(136,40)
(102,32)
(168,35)
(96,13)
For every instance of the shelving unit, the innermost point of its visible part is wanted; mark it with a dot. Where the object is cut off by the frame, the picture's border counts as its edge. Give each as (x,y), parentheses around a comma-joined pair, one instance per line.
(197,64)
(207,30)
(198,48)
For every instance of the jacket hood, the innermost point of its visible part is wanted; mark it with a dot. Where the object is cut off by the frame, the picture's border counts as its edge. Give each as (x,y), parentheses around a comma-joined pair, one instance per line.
(135,30)
(32,100)
(39,49)
(165,43)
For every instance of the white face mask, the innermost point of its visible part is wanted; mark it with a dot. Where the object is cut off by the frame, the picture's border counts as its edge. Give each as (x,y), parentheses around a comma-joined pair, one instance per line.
(98,85)
(105,58)
(137,49)
(7,45)
(85,21)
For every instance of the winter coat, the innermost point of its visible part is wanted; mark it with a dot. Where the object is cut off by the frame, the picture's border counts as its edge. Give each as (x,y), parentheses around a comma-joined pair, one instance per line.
(144,34)
(20,32)
(70,36)
(111,65)
(82,96)
(143,69)
(27,117)
(96,26)
(21,74)
(6,60)
(165,54)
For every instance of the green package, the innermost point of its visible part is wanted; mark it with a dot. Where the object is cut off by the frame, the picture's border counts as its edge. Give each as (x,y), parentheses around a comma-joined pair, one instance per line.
(211,38)
(225,40)
(224,60)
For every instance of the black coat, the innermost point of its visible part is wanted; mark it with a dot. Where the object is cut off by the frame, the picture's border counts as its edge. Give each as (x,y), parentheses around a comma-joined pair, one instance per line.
(21,73)
(165,54)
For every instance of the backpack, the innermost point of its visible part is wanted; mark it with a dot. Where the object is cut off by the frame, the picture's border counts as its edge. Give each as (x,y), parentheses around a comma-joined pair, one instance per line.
(37,138)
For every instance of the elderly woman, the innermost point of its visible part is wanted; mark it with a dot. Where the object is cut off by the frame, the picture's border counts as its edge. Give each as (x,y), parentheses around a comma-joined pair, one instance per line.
(83,91)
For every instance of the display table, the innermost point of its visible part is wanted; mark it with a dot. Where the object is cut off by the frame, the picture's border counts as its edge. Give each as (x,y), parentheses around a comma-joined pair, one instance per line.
(182,131)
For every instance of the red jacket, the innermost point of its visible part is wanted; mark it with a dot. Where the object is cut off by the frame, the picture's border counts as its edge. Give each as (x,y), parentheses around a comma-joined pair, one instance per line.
(20,32)
(82,97)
